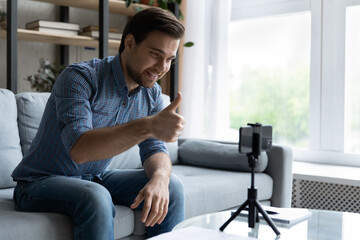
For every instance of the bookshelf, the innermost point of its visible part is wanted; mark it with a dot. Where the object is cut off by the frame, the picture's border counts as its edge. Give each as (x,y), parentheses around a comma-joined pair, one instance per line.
(12,34)
(104,8)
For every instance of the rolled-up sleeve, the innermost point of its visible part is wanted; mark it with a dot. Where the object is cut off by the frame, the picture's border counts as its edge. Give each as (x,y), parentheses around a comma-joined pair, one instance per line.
(72,93)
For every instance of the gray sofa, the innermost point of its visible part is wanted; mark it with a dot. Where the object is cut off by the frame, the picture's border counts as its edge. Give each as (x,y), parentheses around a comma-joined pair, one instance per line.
(214,174)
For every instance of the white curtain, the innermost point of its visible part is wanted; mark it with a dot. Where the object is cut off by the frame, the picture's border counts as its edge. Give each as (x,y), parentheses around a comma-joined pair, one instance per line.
(205,87)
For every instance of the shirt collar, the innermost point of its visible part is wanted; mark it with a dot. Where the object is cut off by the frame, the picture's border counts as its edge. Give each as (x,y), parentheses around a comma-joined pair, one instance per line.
(120,79)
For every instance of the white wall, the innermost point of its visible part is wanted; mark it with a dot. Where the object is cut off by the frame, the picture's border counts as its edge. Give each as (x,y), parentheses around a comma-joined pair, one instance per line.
(29,53)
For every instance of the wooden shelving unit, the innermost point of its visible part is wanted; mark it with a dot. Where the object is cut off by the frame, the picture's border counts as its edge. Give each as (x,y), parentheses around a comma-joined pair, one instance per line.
(12,34)
(115,6)
(35,36)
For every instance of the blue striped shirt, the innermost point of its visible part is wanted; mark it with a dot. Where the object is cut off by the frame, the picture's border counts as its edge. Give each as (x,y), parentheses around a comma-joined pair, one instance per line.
(86,96)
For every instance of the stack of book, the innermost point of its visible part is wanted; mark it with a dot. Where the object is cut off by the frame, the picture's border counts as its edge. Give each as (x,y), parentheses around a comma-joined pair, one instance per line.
(93,31)
(58,28)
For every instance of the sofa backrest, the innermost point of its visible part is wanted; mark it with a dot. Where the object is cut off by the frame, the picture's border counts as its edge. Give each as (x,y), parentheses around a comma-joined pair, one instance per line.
(10,150)
(31,106)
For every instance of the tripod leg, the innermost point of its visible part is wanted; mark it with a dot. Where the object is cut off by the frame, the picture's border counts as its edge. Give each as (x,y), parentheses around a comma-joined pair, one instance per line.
(242,207)
(267,218)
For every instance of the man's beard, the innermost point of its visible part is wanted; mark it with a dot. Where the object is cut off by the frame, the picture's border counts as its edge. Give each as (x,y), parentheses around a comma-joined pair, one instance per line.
(136,76)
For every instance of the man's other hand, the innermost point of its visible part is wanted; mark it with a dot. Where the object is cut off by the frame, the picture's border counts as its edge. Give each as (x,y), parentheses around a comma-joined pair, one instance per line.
(155,195)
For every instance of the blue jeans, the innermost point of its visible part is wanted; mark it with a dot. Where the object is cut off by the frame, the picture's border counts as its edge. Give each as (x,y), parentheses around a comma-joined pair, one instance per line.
(89,201)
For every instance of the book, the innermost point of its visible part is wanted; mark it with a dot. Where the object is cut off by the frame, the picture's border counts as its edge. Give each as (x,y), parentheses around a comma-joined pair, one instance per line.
(55,31)
(95,34)
(282,217)
(52,24)
(96,28)
(198,233)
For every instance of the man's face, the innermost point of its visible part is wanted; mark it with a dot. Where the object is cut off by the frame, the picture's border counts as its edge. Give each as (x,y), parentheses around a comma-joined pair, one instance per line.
(149,60)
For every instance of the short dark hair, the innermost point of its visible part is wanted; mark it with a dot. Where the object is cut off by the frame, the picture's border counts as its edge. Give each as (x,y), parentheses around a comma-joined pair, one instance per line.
(149,20)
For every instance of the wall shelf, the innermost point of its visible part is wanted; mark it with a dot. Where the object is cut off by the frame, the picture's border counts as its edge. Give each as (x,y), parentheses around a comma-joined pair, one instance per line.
(115,6)
(36,36)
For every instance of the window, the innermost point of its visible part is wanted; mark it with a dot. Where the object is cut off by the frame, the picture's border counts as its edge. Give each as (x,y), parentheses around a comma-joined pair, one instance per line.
(320,117)
(352,80)
(293,64)
(269,71)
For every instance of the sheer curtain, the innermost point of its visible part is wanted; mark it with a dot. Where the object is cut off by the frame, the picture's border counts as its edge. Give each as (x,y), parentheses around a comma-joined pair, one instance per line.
(204,87)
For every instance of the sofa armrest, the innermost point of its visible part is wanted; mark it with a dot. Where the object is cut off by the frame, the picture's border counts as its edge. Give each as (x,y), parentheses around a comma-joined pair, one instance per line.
(280,169)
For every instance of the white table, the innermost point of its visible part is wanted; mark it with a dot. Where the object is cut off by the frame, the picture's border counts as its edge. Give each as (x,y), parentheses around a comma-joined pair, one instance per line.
(323,225)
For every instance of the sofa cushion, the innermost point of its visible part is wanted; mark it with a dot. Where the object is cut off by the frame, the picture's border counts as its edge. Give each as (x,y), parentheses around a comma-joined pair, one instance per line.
(217,155)
(10,150)
(31,107)
(38,226)
(210,190)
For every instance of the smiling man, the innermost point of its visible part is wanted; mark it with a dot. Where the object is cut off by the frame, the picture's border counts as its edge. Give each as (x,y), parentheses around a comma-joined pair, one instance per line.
(99,109)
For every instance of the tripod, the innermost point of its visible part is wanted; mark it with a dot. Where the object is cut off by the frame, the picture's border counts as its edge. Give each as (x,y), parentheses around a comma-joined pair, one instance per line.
(252,202)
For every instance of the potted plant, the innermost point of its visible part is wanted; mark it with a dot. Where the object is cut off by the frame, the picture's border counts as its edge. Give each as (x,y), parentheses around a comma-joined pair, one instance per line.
(164,4)
(2,19)
(44,79)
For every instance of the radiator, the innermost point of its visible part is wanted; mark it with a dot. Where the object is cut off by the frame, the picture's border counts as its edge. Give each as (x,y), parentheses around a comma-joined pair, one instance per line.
(327,196)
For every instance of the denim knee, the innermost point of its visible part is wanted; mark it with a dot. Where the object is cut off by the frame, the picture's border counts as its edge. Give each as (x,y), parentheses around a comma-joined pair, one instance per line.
(176,189)
(96,202)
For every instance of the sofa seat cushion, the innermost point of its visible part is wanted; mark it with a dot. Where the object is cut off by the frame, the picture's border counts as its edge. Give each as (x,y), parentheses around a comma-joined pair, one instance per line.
(211,190)
(217,155)
(10,149)
(44,226)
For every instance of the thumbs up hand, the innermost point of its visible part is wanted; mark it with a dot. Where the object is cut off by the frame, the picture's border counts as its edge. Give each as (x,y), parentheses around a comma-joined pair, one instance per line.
(167,125)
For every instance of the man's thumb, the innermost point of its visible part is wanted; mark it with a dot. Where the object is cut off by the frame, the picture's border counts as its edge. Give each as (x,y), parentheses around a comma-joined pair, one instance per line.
(175,104)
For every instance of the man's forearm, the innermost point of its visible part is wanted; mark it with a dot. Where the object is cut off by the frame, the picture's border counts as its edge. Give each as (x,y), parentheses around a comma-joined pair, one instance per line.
(104,143)
(158,164)
(107,142)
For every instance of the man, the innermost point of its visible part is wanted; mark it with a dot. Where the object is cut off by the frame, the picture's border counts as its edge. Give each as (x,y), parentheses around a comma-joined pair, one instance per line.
(98,109)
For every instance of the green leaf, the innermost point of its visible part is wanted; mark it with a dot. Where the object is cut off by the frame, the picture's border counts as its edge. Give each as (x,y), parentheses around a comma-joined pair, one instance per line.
(181,16)
(139,9)
(189,44)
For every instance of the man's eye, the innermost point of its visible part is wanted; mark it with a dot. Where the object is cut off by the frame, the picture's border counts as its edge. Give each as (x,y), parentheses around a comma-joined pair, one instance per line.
(155,54)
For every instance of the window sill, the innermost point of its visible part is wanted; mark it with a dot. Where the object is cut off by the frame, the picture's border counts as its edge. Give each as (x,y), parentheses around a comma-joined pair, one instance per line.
(346,175)
(327,157)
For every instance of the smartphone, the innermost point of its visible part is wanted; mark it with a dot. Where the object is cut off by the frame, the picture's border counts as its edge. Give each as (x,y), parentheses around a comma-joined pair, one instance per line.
(246,138)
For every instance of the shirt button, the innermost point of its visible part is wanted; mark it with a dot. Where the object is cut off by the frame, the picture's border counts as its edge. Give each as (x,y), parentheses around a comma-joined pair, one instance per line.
(124,103)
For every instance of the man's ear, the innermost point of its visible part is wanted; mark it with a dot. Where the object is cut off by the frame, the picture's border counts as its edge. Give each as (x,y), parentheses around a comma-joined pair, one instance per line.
(129,41)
